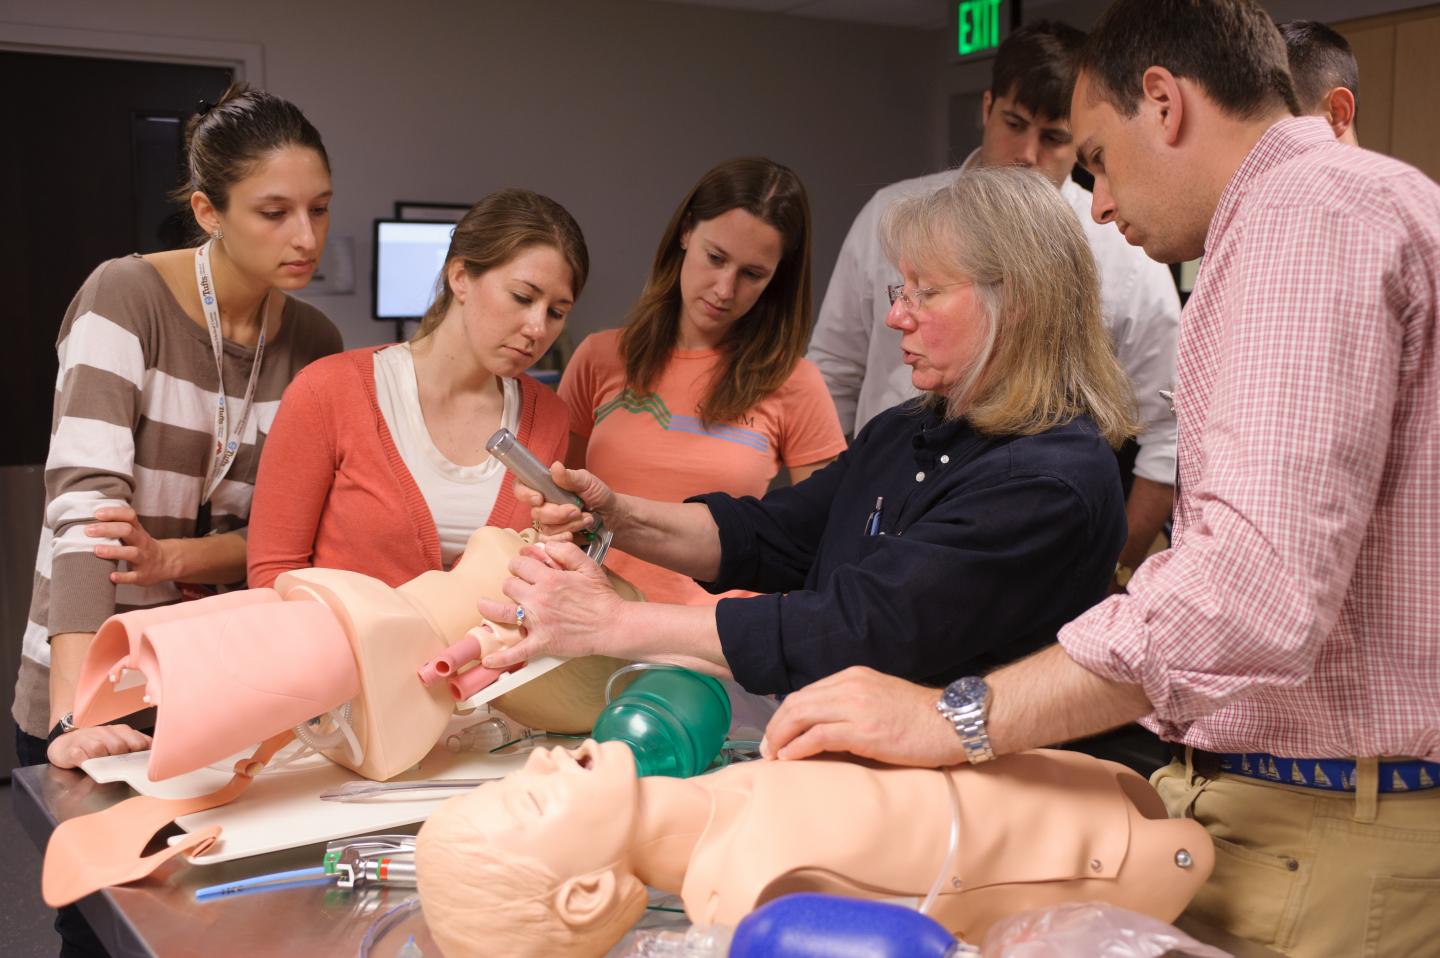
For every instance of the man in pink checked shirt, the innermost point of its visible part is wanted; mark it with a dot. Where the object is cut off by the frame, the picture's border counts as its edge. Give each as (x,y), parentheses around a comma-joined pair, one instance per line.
(1289,641)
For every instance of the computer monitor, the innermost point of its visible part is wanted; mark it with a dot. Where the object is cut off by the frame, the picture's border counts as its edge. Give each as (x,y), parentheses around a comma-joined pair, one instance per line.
(408,258)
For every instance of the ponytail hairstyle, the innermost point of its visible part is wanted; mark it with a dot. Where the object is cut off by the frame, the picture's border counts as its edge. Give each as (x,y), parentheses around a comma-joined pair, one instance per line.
(224,143)
(762,347)
(495,230)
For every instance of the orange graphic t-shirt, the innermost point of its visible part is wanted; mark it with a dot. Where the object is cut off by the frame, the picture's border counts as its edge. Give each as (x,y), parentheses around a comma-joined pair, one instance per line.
(654,445)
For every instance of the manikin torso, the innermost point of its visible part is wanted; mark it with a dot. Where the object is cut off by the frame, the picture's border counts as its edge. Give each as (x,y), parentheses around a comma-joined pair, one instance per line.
(1035,829)
(767,825)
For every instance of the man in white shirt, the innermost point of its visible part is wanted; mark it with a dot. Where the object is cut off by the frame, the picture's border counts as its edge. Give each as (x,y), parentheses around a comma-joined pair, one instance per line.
(1026,121)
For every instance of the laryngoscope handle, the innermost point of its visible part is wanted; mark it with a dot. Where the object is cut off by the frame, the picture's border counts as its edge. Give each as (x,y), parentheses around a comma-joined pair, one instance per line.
(531,471)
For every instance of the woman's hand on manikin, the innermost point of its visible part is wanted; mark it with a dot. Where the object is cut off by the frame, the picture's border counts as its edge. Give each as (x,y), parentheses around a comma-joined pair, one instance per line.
(559,522)
(72,748)
(570,607)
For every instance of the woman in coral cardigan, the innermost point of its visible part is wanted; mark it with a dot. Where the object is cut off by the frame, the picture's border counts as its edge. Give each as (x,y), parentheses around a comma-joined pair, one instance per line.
(376,462)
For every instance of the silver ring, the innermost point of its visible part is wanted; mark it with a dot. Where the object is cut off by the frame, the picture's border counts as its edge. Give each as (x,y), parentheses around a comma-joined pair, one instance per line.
(519,615)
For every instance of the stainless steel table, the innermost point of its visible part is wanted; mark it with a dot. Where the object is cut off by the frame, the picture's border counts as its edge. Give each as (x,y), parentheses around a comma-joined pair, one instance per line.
(160,918)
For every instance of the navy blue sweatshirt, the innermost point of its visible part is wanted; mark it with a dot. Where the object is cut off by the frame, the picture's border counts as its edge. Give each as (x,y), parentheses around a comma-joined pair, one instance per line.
(985,547)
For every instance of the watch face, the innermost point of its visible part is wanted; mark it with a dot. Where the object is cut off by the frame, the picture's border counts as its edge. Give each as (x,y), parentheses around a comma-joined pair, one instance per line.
(971,690)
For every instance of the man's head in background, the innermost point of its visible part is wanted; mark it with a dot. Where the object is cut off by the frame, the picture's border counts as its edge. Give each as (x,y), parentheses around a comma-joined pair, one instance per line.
(1327,79)
(1027,108)
(1172,95)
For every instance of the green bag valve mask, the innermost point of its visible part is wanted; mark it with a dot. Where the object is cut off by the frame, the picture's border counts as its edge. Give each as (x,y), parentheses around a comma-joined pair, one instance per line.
(673,719)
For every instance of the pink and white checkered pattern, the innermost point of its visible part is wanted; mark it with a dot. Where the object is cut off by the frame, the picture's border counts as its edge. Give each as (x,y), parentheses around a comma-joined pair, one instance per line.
(1298,612)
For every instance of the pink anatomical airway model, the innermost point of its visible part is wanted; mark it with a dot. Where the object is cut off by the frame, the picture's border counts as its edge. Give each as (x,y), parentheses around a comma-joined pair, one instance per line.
(233,670)
(445,667)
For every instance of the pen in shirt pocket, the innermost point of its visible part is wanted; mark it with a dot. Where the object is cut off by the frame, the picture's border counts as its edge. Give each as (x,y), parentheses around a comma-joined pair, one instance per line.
(872,524)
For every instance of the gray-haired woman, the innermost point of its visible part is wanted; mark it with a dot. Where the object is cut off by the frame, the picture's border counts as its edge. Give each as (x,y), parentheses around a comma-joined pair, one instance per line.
(958,531)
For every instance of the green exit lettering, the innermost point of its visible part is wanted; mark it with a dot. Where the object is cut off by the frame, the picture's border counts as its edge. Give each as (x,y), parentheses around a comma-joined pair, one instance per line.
(979,25)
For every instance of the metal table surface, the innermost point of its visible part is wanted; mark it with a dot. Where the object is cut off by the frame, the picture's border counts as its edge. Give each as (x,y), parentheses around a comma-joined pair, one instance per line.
(160,918)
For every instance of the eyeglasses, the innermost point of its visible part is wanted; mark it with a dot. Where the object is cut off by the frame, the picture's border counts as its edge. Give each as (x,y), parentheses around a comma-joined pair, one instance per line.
(915,299)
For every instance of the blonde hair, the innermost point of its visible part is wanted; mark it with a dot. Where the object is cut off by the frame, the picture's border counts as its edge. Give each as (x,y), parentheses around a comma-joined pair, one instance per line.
(1046,357)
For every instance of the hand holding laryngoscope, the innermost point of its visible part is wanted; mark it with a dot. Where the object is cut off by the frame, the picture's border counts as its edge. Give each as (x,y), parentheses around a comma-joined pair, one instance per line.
(531,471)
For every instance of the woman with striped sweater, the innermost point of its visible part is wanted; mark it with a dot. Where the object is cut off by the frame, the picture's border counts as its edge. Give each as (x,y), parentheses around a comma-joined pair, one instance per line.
(171,370)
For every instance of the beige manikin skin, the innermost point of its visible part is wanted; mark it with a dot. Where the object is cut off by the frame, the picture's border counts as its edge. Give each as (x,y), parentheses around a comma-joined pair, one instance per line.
(566,700)
(220,669)
(230,678)
(554,858)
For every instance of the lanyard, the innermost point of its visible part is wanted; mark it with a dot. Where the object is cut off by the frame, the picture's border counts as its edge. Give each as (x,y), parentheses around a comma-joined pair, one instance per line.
(225,446)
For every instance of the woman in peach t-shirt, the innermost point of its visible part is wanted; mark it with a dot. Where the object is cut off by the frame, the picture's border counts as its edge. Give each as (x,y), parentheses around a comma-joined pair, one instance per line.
(706,387)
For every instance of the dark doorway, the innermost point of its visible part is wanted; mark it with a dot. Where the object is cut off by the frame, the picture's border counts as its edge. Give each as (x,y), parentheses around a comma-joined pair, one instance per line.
(90,148)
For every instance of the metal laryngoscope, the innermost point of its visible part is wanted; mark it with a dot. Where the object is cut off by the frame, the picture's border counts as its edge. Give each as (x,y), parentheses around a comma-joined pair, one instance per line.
(531,471)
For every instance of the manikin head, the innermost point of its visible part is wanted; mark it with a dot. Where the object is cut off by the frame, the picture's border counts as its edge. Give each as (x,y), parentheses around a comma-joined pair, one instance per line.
(1171,97)
(515,841)
(1026,111)
(1326,76)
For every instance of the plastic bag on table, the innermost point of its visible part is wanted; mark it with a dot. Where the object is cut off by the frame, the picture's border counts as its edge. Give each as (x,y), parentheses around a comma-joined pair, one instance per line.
(1092,929)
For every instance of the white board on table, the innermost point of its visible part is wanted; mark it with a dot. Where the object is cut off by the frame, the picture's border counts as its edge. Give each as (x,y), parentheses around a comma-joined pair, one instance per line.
(282,809)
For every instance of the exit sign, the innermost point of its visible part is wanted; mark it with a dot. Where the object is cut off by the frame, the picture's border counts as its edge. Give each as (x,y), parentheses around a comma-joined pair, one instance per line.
(982,25)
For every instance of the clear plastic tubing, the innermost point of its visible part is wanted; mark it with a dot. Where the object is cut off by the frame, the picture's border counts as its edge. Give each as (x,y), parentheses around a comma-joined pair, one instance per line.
(485,736)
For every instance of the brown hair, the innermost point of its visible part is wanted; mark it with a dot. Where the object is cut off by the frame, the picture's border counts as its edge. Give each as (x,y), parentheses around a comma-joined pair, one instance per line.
(1320,61)
(1047,357)
(224,143)
(762,347)
(497,228)
(1231,48)
(1035,67)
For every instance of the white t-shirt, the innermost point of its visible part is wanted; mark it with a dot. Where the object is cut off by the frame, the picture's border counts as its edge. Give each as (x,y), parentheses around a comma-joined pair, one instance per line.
(860,357)
(460,498)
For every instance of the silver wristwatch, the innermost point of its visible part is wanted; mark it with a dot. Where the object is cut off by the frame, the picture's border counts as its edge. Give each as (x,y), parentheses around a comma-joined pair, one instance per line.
(966,704)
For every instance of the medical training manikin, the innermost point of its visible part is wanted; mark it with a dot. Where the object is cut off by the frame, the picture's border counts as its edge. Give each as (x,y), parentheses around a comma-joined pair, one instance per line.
(384,666)
(554,859)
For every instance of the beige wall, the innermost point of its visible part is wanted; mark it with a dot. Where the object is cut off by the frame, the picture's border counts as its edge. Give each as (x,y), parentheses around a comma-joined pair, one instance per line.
(1422,62)
(614,108)
(1399,84)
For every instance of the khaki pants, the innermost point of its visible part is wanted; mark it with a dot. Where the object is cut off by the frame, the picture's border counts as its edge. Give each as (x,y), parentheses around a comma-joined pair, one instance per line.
(1316,873)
